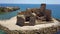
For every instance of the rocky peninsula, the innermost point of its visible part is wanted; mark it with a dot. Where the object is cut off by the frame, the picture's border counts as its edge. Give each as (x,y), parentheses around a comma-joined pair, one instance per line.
(31,21)
(8,9)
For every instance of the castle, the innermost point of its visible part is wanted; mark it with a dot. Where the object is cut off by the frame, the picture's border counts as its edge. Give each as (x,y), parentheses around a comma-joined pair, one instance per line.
(35,15)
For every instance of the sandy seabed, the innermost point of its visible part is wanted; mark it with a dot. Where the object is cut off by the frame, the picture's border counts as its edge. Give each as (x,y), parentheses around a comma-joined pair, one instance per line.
(11,24)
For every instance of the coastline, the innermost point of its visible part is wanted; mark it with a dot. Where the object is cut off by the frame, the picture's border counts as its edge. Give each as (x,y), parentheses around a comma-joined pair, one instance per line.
(11,24)
(10,27)
(47,30)
(8,9)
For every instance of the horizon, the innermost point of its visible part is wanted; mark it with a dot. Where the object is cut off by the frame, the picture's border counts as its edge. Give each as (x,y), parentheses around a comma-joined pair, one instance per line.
(29,1)
(41,3)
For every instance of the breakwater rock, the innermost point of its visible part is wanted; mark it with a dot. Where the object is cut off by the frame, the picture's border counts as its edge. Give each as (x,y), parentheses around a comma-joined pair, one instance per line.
(48,30)
(58,20)
(8,9)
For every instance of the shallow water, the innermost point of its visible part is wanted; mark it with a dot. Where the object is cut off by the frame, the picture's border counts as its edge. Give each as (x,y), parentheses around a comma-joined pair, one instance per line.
(58,32)
(2,32)
(8,15)
(54,7)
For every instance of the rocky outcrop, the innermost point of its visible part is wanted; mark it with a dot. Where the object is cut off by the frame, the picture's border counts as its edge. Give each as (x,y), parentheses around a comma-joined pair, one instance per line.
(31,15)
(58,20)
(8,9)
(49,30)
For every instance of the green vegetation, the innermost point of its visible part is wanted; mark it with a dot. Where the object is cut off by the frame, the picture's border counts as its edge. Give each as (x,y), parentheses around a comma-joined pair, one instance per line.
(1,10)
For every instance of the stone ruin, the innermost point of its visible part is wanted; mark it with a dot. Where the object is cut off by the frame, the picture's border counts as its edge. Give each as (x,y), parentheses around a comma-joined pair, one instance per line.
(34,15)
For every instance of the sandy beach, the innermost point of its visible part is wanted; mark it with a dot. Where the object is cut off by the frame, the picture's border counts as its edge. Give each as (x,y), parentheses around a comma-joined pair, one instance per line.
(11,24)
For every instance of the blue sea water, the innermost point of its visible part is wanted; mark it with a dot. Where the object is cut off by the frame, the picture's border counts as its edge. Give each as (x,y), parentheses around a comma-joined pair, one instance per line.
(55,8)
(2,32)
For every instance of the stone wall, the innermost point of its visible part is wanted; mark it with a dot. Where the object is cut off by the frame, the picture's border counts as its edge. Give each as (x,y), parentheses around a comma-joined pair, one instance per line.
(32,21)
(20,21)
(48,15)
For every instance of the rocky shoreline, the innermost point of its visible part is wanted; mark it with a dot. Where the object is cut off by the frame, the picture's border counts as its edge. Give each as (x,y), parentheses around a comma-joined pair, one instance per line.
(8,9)
(58,20)
(48,30)
(32,17)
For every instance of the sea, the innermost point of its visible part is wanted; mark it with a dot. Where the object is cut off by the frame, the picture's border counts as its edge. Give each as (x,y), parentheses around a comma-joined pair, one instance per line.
(55,10)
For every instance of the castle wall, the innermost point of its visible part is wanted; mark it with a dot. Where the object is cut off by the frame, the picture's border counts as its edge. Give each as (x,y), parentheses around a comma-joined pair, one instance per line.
(20,21)
(32,20)
(42,14)
(48,15)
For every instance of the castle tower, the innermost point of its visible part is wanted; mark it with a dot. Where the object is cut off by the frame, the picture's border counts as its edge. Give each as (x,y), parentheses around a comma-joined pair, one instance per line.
(20,20)
(43,7)
(41,11)
(48,15)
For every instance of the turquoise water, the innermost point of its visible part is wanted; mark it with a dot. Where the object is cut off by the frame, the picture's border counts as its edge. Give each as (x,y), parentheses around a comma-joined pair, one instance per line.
(8,15)
(2,32)
(54,7)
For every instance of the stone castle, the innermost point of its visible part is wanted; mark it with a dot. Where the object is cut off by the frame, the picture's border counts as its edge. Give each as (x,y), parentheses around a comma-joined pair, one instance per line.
(33,16)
